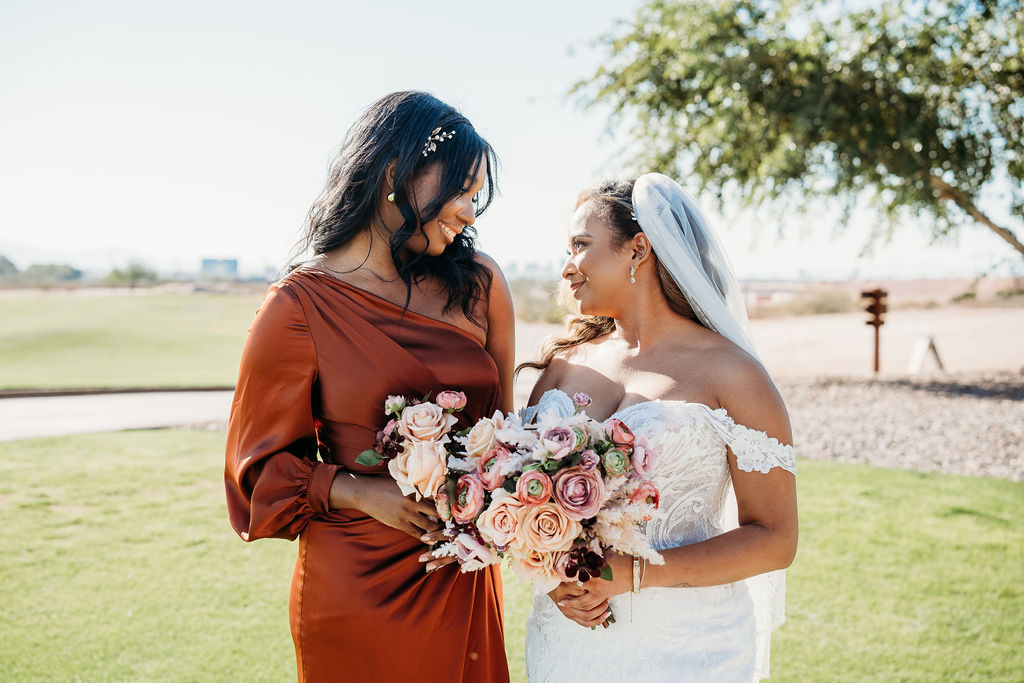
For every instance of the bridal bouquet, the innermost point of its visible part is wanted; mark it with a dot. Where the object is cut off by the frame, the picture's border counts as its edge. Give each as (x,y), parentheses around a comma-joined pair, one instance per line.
(551,497)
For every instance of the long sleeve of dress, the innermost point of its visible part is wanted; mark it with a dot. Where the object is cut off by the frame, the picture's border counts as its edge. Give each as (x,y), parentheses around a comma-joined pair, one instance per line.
(274,482)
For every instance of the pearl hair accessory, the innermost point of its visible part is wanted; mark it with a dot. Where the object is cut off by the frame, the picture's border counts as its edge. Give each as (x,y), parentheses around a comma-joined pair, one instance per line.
(436,136)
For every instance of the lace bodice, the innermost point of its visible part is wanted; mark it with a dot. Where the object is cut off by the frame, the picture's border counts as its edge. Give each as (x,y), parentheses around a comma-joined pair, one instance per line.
(688,632)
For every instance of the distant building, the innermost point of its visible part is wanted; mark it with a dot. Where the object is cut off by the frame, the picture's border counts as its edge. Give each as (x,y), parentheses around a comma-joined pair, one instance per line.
(219,269)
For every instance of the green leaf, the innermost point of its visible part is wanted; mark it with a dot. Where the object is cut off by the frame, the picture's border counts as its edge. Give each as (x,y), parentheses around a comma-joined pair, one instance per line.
(510,485)
(369,458)
(606,572)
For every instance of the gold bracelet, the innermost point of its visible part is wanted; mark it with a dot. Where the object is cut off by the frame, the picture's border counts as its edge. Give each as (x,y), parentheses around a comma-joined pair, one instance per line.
(636,573)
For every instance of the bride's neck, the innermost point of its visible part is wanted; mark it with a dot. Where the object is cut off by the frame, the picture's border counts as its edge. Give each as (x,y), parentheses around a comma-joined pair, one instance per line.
(649,321)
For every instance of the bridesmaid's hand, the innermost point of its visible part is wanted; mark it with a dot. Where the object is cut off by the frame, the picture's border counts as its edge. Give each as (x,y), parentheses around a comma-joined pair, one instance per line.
(381,498)
(580,605)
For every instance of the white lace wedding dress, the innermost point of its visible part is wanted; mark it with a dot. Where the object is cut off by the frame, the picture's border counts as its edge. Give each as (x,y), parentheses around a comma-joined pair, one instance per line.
(718,633)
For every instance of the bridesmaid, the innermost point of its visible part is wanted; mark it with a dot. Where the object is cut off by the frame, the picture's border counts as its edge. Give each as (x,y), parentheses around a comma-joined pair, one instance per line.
(396,300)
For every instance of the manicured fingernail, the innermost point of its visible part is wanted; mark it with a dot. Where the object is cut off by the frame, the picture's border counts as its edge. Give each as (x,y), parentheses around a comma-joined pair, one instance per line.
(425,538)
(424,557)
(561,604)
(430,568)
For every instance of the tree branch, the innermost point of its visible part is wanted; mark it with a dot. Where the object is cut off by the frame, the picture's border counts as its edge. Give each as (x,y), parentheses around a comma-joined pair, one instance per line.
(947,191)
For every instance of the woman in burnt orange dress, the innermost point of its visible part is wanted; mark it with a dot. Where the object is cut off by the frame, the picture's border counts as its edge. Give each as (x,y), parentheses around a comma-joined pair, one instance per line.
(395,301)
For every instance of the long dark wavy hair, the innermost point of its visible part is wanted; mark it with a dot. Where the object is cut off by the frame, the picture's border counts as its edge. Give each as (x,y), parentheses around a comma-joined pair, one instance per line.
(395,128)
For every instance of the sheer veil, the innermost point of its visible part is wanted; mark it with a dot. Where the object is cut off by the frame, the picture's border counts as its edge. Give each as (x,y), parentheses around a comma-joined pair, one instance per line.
(685,243)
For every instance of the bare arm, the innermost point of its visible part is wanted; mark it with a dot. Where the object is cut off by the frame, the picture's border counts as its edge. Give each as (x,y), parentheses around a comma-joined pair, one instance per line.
(766,538)
(501,330)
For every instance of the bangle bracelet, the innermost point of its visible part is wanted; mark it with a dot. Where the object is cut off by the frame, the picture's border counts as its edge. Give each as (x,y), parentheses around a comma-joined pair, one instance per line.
(636,573)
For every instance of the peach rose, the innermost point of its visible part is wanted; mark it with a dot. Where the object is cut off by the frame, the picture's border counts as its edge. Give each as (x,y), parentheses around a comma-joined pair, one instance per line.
(500,521)
(481,438)
(579,492)
(536,566)
(451,400)
(488,468)
(420,467)
(425,422)
(533,487)
(546,528)
(469,498)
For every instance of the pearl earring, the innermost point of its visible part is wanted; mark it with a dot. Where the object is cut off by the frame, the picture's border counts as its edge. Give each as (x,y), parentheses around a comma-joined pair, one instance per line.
(391,196)
(632,274)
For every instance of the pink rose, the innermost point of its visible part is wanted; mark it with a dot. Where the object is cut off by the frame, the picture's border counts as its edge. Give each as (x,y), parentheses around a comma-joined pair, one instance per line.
(482,438)
(580,399)
(546,528)
(489,467)
(619,434)
(560,441)
(451,400)
(499,523)
(420,468)
(589,460)
(559,564)
(470,549)
(533,487)
(647,493)
(469,498)
(425,422)
(643,459)
(580,492)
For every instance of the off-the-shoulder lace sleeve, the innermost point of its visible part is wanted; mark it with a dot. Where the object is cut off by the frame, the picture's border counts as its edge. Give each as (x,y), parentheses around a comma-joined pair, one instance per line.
(275,484)
(754,450)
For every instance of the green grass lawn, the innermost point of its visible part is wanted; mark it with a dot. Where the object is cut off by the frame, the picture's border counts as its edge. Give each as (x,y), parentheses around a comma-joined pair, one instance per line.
(61,339)
(118,564)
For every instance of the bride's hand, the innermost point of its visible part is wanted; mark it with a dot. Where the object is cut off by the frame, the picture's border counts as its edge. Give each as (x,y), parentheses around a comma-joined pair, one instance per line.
(580,605)
(622,578)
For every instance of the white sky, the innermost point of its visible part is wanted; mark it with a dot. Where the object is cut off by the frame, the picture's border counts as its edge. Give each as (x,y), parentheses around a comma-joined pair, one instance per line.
(169,132)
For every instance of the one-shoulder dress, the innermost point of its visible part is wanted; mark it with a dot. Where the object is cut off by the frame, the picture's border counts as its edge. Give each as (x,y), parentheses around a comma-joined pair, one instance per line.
(320,358)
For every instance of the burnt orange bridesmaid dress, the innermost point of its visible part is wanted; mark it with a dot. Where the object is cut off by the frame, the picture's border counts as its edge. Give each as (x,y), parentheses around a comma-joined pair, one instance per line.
(320,359)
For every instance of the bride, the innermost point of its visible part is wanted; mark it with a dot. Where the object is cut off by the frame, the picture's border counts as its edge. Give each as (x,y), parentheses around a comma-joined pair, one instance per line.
(663,344)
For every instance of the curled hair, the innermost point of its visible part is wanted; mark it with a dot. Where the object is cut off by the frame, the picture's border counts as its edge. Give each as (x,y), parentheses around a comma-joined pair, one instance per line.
(612,202)
(395,128)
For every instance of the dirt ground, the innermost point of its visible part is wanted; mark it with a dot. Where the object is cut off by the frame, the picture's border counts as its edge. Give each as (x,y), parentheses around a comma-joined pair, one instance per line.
(967,340)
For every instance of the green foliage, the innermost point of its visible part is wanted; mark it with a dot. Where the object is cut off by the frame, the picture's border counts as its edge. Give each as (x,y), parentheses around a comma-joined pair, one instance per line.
(48,274)
(7,268)
(124,567)
(132,275)
(919,105)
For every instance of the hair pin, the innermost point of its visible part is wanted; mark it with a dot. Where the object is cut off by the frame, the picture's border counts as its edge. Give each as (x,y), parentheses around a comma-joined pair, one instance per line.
(436,136)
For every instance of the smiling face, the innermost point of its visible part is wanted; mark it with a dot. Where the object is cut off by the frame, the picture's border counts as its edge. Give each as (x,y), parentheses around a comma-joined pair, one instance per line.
(597,269)
(455,215)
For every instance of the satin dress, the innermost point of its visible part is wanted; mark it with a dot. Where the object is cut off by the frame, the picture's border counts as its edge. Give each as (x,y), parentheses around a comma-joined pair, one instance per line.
(320,359)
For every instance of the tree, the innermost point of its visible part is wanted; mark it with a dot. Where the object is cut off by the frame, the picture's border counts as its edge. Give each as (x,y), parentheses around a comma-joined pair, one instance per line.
(133,274)
(918,105)
(7,268)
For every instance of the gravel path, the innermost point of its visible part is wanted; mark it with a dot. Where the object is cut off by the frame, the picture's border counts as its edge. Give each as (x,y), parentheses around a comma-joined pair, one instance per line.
(970,424)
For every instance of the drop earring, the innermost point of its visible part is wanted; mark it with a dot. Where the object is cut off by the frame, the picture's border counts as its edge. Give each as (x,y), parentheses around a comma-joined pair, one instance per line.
(632,274)
(391,196)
